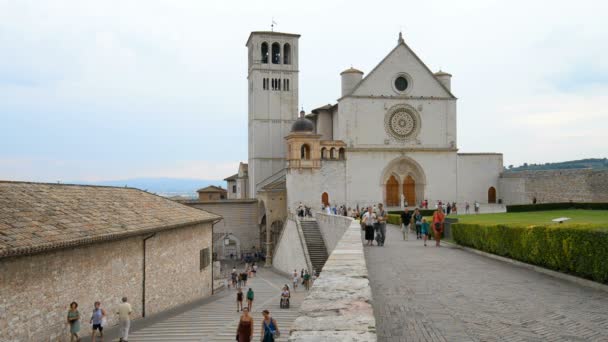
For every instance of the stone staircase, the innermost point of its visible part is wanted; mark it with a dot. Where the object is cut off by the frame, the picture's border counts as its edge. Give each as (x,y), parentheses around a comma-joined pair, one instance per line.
(314,243)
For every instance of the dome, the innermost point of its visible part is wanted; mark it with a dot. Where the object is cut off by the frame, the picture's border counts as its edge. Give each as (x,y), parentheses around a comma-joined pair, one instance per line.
(303,125)
(351,70)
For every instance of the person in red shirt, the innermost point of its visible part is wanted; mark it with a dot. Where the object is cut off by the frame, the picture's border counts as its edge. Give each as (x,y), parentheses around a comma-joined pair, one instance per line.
(438,219)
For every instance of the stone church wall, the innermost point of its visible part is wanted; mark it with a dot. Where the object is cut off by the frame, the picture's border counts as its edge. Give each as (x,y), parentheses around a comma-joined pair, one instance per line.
(308,186)
(477,172)
(554,186)
(240,217)
(36,290)
(289,254)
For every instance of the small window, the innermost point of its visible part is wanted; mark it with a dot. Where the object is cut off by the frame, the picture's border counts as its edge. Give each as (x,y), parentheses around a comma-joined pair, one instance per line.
(401,83)
(278,84)
(234,189)
(286,54)
(276,53)
(264,53)
(305,152)
(205,258)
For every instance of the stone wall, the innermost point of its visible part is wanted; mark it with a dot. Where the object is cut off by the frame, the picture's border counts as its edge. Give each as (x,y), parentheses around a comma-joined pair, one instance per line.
(290,254)
(240,217)
(36,290)
(338,307)
(554,186)
(332,228)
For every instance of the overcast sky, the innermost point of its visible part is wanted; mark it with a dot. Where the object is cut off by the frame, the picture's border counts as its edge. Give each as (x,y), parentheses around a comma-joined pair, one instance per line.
(120,89)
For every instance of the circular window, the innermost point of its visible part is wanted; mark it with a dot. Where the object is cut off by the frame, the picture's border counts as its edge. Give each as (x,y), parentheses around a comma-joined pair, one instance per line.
(402,122)
(401,83)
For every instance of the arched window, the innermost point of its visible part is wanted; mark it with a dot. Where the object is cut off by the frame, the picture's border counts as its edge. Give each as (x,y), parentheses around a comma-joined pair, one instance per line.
(323,153)
(287,85)
(341,153)
(332,153)
(264,52)
(286,54)
(276,53)
(305,152)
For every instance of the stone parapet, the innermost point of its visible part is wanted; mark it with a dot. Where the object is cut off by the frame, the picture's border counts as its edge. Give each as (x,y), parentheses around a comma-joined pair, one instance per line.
(338,307)
(332,228)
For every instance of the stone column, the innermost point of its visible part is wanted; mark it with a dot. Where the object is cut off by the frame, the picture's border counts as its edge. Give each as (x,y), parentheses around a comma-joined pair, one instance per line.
(268,243)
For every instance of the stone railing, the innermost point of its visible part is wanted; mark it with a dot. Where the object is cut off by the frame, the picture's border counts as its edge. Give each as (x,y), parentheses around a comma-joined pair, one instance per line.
(338,307)
(332,228)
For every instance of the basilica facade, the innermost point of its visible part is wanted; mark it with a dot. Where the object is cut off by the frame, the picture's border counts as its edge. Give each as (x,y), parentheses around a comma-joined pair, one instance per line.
(391,136)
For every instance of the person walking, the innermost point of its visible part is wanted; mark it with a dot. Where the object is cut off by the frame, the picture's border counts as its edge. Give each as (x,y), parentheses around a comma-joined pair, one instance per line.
(270,328)
(438,220)
(307,280)
(382,216)
(239,300)
(98,320)
(74,322)
(424,230)
(250,299)
(295,280)
(406,219)
(254,269)
(244,331)
(124,319)
(418,222)
(369,219)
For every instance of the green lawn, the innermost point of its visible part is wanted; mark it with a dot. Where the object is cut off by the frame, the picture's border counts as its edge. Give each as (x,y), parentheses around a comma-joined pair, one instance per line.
(539,217)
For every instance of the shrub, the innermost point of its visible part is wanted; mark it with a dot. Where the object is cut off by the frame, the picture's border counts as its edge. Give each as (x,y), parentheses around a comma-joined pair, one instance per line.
(581,250)
(424,212)
(555,206)
(394,219)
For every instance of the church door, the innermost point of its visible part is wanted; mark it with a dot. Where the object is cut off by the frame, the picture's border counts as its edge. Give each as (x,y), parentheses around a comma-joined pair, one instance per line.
(409,191)
(392,192)
(325,198)
(491,195)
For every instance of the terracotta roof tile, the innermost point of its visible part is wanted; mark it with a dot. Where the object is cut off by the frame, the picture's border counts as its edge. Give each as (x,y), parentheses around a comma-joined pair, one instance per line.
(36,217)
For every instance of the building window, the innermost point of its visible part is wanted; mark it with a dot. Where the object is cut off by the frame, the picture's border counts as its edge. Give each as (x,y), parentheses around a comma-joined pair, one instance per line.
(205,258)
(286,54)
(341,153)
(276,53)
(332,153)
(264,52)
(278,84)
(305,152)
(234,189)
(285,84)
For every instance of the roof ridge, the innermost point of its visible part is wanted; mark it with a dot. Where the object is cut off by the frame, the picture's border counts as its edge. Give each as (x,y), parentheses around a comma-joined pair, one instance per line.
(2,181)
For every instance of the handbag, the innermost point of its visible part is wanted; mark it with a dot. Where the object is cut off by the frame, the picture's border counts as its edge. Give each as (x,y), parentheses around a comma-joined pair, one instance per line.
(104,321)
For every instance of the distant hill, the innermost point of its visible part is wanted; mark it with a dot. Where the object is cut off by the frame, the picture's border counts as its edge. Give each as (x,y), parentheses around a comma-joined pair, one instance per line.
(594,163)
(162,186)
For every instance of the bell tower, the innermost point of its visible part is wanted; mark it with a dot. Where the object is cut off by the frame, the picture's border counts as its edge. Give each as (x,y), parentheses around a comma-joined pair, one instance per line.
(273,101)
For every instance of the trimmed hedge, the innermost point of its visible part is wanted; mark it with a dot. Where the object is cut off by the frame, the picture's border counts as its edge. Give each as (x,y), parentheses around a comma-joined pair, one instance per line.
(394,219)
(424,212)
(581,250)
(555,206)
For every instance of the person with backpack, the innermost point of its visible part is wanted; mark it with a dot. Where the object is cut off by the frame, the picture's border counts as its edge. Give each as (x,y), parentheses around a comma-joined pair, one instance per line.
(406,219)
(270,328)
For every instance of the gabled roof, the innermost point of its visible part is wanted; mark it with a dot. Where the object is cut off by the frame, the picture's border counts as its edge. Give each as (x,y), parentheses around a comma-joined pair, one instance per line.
(212,188)
(38,217)
(232,178)
(401,43)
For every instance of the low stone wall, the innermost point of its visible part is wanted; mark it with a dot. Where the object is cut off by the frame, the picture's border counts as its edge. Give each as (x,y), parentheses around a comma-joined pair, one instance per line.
(289,254)
(554,186)
(332,228)
(338,307)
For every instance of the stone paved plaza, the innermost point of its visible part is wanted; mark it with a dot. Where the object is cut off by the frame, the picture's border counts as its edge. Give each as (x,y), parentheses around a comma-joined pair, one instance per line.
(448,294)
(218,319)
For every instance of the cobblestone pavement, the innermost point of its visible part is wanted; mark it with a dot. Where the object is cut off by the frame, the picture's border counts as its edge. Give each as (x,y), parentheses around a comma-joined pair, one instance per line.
(448,294)
(217,320)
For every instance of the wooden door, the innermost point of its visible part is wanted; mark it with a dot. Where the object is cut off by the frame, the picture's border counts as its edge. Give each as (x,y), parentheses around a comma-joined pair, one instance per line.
(392,192)
(409,190)
(325,198)
(491,195)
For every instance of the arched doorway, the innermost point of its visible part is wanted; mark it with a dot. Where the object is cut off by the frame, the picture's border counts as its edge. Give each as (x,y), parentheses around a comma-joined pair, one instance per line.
(392,192)
(325,198)
(491,195)
(409,190)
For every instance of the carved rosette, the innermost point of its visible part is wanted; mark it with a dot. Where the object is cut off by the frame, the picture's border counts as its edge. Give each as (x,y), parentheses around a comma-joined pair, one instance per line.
(402,123)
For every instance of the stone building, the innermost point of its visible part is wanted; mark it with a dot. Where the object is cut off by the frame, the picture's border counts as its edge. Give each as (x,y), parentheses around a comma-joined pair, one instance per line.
(238,184)
(62,243)
(212,193)
(390,137)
